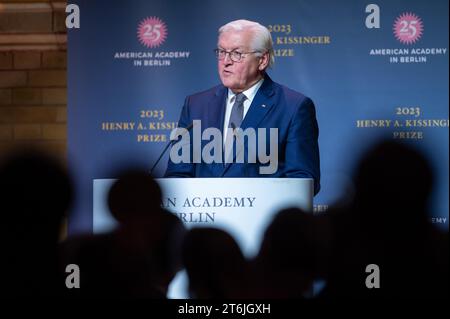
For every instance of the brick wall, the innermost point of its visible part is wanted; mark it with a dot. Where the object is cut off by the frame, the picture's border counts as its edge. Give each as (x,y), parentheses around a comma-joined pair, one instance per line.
(33,102)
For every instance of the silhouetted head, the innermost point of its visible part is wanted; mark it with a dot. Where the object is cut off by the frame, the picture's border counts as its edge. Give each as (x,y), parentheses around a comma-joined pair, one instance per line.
(166,250)
(35,191)
(288,253)
(35,194)
(134,195)
(393,177)
(214,263)
(387,226)
(289,241)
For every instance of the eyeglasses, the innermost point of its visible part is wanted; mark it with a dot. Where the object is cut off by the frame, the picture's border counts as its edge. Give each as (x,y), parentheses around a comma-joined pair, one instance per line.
(235,56)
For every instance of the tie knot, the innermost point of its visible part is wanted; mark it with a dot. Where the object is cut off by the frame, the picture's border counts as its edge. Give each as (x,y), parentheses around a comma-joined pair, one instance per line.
(240,97)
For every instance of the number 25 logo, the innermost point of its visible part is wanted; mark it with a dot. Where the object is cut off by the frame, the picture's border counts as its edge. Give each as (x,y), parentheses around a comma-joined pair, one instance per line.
(152,32)
(408,28)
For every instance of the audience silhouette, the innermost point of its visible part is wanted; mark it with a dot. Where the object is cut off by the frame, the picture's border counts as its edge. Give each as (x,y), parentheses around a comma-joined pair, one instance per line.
(286,263)
(36,193)
(139,258)
(385,224)
(215,265)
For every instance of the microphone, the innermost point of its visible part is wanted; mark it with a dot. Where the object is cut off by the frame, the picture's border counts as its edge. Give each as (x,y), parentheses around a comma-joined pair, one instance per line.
(188,128)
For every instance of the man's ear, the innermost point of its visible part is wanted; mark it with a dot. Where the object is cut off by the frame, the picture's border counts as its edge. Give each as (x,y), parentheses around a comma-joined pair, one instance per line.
(263,61)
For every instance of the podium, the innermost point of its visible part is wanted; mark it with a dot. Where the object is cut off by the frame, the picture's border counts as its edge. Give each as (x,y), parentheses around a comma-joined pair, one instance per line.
(243,207)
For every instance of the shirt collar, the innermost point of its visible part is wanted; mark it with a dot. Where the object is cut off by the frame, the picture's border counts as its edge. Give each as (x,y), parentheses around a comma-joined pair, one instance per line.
(249,93)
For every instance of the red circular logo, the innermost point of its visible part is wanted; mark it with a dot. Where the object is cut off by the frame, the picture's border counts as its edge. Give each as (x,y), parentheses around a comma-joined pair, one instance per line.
(408,28)
(152,32)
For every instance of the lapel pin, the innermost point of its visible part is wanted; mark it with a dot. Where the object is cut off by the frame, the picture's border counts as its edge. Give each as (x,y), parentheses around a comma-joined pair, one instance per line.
(263,105)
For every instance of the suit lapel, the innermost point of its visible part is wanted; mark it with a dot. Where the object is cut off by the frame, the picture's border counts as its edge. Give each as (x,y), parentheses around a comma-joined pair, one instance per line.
(217,105)
(216,114)
(261,105)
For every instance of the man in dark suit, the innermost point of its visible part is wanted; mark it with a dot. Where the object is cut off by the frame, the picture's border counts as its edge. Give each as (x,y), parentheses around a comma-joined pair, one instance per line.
(249,99)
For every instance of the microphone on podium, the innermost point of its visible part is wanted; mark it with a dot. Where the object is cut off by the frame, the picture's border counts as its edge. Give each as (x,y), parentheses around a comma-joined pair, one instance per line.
(188,128)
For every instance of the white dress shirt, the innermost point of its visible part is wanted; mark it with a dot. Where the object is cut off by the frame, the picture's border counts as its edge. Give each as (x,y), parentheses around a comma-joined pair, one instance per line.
(249,94)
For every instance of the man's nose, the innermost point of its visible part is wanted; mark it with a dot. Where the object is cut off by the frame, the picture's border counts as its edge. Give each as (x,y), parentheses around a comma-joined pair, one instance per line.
(227,58)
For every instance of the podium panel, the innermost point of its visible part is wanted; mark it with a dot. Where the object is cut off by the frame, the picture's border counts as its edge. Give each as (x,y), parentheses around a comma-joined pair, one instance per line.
(241,206)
